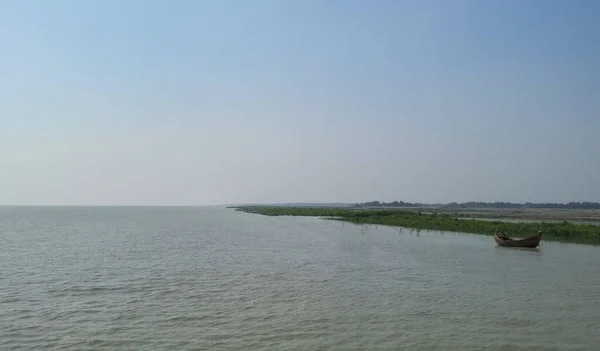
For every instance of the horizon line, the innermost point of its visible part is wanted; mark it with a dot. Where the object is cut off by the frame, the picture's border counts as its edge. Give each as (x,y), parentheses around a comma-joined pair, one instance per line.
(291,203)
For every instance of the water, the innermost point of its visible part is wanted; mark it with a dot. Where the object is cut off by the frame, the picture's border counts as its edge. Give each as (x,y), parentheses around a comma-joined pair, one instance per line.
(215,279)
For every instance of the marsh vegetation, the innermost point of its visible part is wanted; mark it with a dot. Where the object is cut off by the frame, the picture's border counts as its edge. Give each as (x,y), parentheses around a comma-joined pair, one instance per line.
(557,231)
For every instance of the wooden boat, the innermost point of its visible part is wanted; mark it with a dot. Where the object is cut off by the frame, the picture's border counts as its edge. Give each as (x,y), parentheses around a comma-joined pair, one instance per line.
(530,241)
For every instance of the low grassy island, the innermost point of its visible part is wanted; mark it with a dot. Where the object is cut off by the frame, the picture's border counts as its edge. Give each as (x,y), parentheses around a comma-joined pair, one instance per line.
(560,231)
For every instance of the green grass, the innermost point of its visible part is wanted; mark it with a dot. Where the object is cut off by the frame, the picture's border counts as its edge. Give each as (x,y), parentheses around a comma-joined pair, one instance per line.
(563,231)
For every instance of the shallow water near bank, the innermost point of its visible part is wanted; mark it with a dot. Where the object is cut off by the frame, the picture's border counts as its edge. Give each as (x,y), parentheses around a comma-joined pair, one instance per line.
(126,278)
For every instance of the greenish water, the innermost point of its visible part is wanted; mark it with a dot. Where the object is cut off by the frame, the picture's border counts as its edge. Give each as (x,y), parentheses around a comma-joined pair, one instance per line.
(215,279)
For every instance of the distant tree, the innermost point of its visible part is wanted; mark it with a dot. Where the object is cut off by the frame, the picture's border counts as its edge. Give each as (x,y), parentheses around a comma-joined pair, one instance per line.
(496,204)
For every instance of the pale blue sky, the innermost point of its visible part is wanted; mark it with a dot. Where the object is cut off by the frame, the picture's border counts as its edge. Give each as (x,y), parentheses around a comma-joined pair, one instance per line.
(212,102)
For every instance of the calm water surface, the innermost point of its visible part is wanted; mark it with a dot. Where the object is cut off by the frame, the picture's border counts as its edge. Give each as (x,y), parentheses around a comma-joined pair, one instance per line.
(215,279)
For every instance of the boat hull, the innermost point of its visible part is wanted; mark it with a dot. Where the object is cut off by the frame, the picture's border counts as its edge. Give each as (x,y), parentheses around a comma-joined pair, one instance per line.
(530,242)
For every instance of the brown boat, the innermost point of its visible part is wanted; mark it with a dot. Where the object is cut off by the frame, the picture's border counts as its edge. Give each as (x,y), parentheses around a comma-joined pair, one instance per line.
(531,241)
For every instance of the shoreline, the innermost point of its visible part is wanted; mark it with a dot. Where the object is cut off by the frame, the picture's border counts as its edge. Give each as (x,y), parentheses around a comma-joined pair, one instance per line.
(436,219)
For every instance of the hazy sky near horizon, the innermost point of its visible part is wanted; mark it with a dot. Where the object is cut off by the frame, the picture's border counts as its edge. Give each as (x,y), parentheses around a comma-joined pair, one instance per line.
(213,102)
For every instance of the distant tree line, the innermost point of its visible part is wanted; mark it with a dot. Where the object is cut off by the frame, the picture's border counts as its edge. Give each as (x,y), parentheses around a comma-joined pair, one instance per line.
(390,204)
(473,204)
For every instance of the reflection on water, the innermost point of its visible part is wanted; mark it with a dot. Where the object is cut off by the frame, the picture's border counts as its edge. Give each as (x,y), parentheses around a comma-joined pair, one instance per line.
(215,279)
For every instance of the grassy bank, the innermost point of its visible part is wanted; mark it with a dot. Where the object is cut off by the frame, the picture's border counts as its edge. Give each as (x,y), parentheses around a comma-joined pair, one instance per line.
(563,231)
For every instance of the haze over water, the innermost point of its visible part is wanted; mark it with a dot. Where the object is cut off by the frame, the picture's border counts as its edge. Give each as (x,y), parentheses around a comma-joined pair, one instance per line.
(152,278)
(216,102)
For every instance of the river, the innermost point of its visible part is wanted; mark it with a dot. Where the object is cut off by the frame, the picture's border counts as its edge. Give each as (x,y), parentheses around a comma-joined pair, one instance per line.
(192,278)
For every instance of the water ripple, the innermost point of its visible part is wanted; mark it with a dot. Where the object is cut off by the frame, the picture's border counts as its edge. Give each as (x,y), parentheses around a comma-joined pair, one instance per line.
(202,279)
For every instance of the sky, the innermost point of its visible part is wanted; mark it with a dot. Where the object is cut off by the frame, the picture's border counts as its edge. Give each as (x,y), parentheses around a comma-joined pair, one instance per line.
(220,102)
